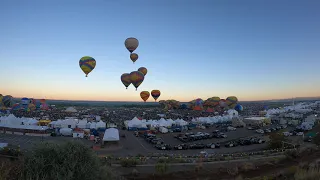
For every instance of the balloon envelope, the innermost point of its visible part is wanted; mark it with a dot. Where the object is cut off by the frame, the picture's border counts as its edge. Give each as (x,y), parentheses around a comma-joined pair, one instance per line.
(32,107)
(125,79)
(223,103)
(144,95)
(136,78)
(131,44)
(25,101)
(7,101)
(238,108)
(231,100)
(143,70)
(134,57)
(87,64)
(155,94)
(42,101)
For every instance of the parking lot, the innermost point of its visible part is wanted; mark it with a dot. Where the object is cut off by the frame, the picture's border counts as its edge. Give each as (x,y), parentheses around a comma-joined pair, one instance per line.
(132,145)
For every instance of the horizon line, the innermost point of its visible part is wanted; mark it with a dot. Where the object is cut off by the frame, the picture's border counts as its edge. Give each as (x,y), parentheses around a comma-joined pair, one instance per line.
(165,100)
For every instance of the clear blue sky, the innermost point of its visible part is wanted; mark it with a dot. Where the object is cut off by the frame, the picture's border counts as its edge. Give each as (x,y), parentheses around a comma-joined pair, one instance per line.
(253,49)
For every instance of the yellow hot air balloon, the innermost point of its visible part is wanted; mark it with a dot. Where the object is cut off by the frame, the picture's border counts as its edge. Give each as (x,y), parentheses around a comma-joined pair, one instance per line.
(143,70)
(144,95)
(131,44)
(87,64)
(134,57)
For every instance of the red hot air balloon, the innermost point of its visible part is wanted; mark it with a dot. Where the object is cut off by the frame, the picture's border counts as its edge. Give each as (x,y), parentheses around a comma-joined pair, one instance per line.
(155,94)
(136,78)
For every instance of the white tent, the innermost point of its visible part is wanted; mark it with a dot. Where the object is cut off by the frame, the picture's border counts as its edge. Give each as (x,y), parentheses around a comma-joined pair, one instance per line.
(71,110)
(232,113)
(69,123)
(135,122)
(101,124)
(163,123)
(82,124)
(93,125)
(111,134)
(181,122)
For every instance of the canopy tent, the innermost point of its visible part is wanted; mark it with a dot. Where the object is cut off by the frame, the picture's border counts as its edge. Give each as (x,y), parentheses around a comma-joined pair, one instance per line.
(101,124)
(71,110)
(111,134)
(135,122)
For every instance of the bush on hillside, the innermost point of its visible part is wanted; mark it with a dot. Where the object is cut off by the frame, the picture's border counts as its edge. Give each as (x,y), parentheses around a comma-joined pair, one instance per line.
(276,140)
(128,162)
(69,161)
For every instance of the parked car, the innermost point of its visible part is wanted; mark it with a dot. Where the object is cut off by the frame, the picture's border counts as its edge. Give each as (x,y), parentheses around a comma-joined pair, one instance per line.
(260,131)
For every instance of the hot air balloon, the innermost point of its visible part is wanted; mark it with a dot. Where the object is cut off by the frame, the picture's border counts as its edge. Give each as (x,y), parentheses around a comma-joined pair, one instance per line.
(87,64)
(215,100)
(131,44)
(238,108)
(136,78)
(25,101)
(32,107)
(134,57)
(1,97)
(7,101)
(231,100)
(16,107)
(155,94)
(125,79)
(144,95)
(42,101)
(223,103)
(143,70)
(32,101)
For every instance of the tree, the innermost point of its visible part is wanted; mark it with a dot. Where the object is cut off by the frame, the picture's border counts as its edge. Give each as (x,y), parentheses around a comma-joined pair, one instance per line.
(316,139)
(276,140)
(69,161)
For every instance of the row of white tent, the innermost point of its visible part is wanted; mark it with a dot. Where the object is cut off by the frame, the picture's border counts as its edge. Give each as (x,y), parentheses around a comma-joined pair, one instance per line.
(20,123)
(75,123)
(135,122)
(302,108)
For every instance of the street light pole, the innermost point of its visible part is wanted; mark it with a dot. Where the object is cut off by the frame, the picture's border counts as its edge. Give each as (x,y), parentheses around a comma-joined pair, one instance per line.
(42,134)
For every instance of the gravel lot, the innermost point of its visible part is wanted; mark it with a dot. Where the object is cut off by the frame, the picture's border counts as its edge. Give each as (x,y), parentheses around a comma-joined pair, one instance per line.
(132,145)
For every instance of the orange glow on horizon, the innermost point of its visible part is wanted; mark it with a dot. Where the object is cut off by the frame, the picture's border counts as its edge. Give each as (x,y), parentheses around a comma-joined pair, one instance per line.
(136,97)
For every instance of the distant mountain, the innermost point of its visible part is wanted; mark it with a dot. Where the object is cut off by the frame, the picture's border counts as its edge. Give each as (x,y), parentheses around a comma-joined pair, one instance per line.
(121,103)
(295,99)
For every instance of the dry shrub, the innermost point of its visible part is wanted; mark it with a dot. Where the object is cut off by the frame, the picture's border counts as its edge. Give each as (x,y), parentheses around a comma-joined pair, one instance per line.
(11,170)
(247,166)
(291,170)
(310,174)
(238,178)
(233,171)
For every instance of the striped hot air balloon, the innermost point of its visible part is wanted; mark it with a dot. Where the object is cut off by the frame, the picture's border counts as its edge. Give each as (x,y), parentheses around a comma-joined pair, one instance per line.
(125,79)
(155,94)
(144,95)
(87,64)
(136,78)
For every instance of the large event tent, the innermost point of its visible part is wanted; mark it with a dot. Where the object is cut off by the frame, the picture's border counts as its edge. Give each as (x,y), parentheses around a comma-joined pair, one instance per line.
(111,134)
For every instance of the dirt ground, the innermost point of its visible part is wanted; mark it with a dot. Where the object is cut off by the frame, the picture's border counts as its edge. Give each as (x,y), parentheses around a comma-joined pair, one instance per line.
(260,169)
